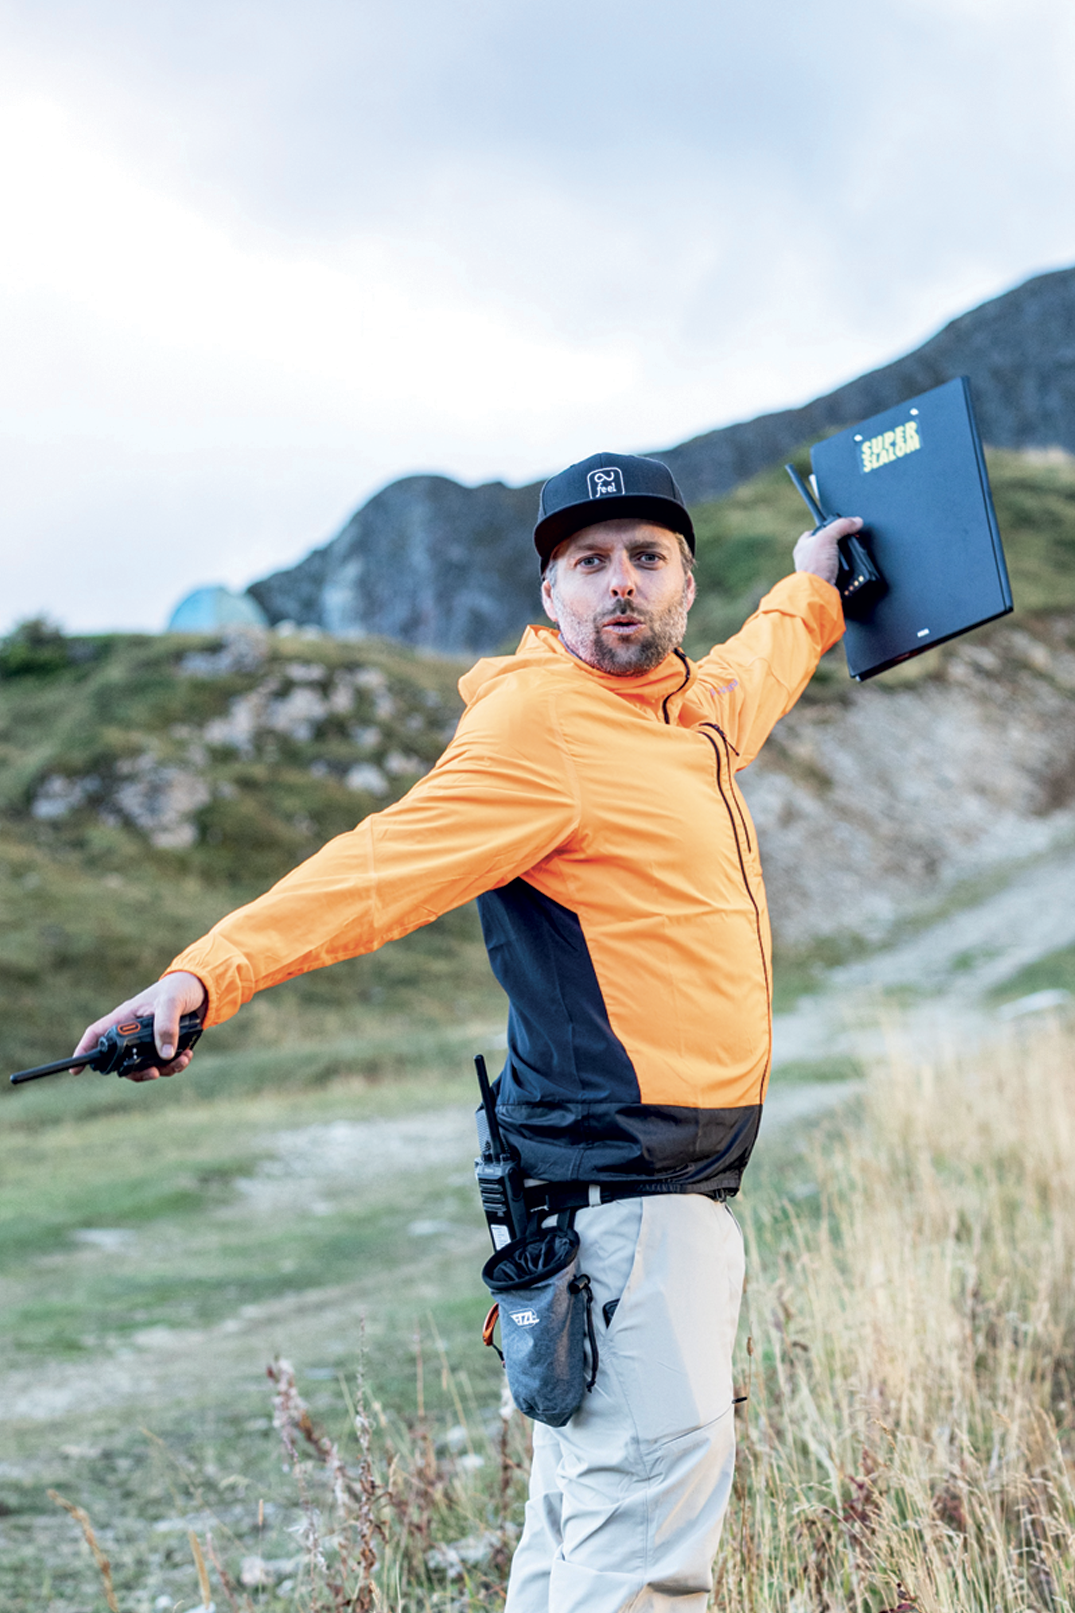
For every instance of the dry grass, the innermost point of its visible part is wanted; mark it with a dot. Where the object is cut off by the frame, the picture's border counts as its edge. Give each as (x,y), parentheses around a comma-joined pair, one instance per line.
(104,1567)
(400,1526)
(910,1437)
(909,1441)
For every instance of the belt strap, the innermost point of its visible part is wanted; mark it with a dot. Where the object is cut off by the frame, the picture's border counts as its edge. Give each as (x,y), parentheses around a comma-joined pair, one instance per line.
(552,1197)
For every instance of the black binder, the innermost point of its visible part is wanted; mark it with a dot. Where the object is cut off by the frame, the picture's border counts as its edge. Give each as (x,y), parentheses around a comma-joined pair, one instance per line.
(916,474)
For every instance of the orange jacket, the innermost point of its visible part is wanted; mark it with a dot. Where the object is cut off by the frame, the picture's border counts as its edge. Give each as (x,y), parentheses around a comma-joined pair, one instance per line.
(598,820)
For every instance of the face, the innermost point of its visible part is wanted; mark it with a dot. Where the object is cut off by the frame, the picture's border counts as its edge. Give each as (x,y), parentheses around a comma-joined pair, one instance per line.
(620,593)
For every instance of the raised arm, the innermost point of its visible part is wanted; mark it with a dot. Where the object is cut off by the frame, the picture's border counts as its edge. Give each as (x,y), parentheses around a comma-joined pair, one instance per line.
(764,668)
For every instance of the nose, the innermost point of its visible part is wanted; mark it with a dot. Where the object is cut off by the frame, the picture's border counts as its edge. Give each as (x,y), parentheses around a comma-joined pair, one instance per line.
(621,579)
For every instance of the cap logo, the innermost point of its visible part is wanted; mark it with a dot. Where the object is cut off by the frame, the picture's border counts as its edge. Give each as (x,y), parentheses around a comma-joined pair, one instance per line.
(604,482)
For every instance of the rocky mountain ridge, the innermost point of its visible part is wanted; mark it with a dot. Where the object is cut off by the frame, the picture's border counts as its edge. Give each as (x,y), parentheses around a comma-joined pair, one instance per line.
(1018,350)
(450,569)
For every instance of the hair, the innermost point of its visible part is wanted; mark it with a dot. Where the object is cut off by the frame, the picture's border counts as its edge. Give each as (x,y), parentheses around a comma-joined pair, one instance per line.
(689,560)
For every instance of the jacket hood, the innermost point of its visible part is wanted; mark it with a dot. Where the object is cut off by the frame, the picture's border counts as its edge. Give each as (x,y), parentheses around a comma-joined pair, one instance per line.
(541,650)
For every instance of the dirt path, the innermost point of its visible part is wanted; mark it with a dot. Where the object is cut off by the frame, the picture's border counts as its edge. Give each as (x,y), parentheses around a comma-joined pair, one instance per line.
(307,1171)
(930,990)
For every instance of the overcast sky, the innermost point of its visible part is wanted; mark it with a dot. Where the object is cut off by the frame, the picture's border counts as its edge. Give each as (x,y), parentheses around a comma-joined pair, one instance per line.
(260,257)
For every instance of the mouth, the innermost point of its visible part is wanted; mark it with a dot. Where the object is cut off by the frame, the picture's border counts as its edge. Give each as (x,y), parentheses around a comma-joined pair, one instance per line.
(622,626)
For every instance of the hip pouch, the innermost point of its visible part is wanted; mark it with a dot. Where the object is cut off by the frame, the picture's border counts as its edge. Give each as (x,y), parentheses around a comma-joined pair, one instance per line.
(545,1305)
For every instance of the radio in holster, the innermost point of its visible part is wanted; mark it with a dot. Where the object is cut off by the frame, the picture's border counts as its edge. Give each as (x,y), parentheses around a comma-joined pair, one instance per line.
(498,1172)
(544,1303)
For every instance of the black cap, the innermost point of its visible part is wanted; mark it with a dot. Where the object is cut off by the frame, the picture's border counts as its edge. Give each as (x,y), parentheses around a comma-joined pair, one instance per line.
(609,487)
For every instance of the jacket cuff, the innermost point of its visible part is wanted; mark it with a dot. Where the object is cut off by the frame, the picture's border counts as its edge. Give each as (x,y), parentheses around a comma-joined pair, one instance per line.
(223,971)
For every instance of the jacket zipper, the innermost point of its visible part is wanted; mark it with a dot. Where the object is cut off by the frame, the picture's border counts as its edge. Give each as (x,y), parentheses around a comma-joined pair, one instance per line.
(686,679)
(728,746)
(750,893)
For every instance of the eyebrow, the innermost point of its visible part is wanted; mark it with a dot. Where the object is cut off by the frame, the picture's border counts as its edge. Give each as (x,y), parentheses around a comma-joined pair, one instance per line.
(595,546)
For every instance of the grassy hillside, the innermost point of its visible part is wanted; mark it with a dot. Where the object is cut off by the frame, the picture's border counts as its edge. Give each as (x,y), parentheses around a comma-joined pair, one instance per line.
(150,784)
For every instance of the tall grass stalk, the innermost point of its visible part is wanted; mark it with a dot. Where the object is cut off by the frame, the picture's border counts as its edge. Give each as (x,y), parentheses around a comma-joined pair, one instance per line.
(104,1567)
(408,1522)
(909,1440)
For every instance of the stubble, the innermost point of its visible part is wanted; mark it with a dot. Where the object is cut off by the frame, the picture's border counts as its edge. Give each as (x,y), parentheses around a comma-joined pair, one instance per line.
(663,633)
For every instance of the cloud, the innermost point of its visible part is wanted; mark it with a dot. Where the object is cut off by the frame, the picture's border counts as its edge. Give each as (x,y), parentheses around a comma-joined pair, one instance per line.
(259,260)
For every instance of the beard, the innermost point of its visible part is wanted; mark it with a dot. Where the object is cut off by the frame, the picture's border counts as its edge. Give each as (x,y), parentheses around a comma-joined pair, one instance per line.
(662,632)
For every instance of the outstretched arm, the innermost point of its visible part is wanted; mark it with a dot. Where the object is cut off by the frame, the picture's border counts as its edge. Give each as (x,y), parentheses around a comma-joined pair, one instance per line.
(500,799)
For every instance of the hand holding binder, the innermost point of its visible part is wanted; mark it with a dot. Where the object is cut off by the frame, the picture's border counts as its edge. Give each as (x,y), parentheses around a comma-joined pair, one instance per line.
(822,551)
(916,474)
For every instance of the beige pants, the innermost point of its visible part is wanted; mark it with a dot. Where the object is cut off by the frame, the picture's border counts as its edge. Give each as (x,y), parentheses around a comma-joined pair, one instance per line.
(626,1500)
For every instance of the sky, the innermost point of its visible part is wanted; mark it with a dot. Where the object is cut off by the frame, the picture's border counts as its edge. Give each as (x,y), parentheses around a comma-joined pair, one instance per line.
(259,258)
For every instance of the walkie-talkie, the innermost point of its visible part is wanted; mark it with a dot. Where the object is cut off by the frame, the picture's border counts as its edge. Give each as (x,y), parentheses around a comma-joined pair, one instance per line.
(499,1174)
(124,1049)
(857,578)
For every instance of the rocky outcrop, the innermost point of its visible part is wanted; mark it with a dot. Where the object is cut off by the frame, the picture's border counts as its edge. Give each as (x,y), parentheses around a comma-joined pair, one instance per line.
(881,802)
(329,728)
(426,561)
(452,569)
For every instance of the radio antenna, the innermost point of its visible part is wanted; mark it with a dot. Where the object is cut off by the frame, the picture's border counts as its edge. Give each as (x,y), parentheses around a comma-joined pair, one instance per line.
(801,487)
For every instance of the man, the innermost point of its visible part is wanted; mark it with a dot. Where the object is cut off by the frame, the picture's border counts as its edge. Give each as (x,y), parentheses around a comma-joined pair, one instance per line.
(588,800)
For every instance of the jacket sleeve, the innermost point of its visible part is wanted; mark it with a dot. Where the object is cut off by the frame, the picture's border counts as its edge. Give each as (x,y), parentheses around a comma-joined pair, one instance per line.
(761,672)
(503,796)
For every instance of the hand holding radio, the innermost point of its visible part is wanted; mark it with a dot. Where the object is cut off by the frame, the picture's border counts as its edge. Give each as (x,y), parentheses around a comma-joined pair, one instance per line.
(166,1001)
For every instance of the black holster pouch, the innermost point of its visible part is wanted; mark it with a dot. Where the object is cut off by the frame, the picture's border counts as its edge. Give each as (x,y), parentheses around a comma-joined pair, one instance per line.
(546,1317)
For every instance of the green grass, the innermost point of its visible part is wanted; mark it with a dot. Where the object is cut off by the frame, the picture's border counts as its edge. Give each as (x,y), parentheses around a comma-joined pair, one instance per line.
(77,939)
(380,1051)
(909,1318)
(205,1288)
(212,1287)
(1054,971)
(840,1067)
(161,1180)
(93,908)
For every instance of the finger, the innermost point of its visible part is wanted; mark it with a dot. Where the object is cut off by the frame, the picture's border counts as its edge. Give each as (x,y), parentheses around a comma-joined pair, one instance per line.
(177,1064)
(93,1033)
(153,1072)
(166,1000)
(166,1024)
(175,995)
(841,527)
(131,1008)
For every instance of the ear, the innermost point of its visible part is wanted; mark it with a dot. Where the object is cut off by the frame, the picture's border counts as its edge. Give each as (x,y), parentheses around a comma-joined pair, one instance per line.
(547,600)
(692,589)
